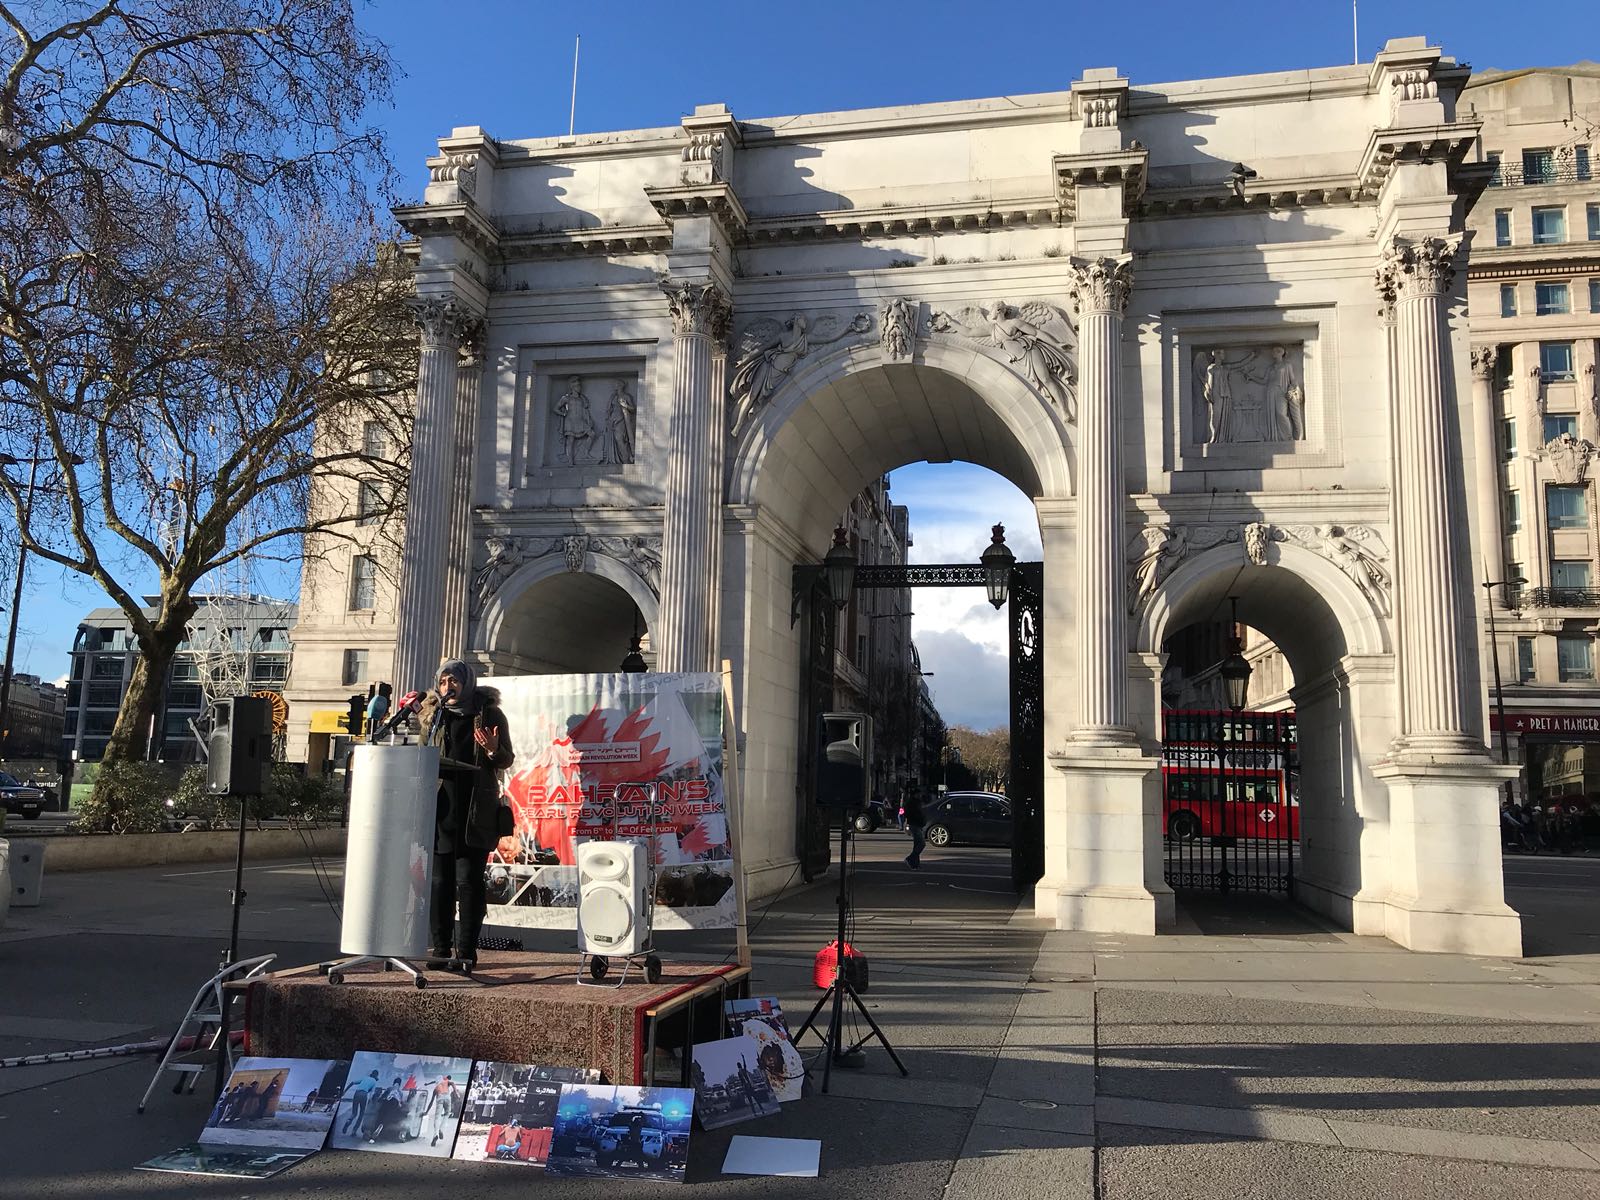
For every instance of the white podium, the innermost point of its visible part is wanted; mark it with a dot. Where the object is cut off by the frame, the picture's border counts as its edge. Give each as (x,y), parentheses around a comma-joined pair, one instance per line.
(388,858)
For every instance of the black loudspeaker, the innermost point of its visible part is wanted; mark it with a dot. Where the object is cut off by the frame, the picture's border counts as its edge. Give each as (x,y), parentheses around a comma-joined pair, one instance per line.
(240,747)
(844,760)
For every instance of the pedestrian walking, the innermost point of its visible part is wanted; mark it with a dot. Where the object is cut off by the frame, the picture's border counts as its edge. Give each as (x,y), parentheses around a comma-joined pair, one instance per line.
(917,823)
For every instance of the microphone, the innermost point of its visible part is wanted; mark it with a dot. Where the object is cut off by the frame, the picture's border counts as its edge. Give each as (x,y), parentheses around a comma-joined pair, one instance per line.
(409,703)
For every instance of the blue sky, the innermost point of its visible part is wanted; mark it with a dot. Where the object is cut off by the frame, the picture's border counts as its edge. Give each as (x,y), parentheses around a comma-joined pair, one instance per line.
(507,66)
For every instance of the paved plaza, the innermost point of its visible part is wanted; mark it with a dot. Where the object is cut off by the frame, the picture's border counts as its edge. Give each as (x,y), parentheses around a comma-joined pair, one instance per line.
(1255,1053)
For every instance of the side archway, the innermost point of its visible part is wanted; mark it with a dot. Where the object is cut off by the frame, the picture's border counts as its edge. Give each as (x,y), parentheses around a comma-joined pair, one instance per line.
(520,628)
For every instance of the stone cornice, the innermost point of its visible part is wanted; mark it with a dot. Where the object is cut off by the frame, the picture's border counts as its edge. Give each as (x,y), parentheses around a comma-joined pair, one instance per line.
(605,239)
(715,200)
(1270,196)
(462,220)
(953,217)
(1387,147)
(1130,168)
(1525,262)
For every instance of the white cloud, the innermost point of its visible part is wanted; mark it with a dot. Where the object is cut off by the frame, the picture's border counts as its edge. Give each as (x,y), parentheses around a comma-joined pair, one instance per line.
(961,637)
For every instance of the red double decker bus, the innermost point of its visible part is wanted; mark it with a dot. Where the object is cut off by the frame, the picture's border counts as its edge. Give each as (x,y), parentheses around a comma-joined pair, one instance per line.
(1229,775)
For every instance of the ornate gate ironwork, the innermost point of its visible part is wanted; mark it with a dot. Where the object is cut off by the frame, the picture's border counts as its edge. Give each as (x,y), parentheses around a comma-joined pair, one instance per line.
(1230,786)
(811,603)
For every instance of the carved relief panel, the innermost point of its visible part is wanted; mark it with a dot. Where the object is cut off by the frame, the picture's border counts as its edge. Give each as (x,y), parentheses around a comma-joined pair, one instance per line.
(1250,396)
(580,417)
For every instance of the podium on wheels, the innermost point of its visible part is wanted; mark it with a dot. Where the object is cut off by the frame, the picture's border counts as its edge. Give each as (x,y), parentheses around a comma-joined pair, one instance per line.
(388,859)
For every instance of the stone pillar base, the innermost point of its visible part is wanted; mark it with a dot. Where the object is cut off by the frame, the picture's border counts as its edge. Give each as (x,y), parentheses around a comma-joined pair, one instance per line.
(1102,840)
(1447,891)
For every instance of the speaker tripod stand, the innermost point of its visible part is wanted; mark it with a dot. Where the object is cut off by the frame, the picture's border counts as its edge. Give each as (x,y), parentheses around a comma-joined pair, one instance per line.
(841,988)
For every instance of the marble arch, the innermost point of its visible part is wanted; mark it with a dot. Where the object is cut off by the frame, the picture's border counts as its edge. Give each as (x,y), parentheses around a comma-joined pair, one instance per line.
(489,631)
(1281,344)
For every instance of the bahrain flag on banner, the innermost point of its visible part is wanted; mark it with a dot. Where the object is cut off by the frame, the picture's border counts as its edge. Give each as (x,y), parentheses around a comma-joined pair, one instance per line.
(614,758)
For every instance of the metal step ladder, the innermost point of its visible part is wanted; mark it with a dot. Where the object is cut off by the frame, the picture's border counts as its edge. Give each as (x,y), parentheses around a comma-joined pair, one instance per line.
(195,1046)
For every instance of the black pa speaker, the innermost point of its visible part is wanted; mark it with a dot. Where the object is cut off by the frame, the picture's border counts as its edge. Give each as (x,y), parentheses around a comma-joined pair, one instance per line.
(240,747)
(844,760)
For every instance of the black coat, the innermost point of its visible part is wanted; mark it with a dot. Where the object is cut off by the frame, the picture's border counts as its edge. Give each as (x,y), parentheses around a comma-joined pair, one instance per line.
(468,799)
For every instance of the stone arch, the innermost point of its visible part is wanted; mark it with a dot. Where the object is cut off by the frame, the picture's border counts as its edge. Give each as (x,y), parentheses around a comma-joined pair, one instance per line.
(490,629)
(1197,580)
(1340,651)
(1040,458)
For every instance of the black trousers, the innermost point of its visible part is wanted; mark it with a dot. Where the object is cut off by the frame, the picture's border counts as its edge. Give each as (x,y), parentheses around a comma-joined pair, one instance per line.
(458,894)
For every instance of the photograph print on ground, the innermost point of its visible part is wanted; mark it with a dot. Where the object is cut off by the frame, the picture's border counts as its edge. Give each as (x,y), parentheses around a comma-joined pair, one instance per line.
(729,1084)
(233,1162)
(760,1017)
(281,1103)
(401,1104)
(622,1132)
(510,1113)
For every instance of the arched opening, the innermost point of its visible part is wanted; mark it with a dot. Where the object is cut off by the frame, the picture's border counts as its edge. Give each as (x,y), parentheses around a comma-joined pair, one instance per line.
(828,437)
(563,622)
(1274,799)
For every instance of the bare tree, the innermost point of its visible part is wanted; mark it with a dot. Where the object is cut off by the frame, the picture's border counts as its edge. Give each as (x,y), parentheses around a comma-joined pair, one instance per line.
(986,755)
(191,285)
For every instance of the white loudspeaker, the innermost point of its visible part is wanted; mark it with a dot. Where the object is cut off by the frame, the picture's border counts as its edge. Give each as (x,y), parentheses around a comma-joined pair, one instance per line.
(613,905)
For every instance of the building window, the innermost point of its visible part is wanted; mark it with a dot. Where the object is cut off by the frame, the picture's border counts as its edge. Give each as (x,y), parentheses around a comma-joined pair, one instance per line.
(1594,222)
(1551,299)
(374,441)
(1538,166)
(1549,225)
(183,696)
(1508,438)
(105,695)
(1495,178)
(363,582)
(107,668)
(1525,671)
(369,503)
(1580,162)
(1508,299)
(1570,574)
(1568,506)
(355,668)
(273,672)
(1594,295)
(1574,657)
(1502,227)
(1513,511)
(1557,425)
(184,670)
(1555,361)
(1502,369)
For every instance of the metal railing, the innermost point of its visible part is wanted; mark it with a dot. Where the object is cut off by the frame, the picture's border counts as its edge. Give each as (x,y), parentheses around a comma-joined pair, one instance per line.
(1560,598)
(1514,176)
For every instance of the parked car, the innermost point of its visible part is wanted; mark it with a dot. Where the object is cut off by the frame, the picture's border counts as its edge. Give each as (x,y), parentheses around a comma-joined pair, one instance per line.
(875,816)
(969,818)
(19,797)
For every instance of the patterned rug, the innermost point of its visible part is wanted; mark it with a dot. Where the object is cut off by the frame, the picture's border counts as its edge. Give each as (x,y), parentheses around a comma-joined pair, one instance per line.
(519,1007)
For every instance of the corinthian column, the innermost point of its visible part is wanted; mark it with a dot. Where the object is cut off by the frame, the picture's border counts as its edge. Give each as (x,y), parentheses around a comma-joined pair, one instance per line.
(1414,277)
(420,611)
(463,449)
(689,583)
(1100,294)
(1486,476)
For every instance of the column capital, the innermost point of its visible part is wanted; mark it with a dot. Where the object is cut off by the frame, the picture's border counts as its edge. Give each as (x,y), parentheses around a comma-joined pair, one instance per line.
(443,321)
(697,307)
(1101,284)
(1411,269)
(1483,360)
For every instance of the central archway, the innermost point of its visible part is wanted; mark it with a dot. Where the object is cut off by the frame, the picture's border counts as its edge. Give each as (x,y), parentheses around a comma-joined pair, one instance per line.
(834,426)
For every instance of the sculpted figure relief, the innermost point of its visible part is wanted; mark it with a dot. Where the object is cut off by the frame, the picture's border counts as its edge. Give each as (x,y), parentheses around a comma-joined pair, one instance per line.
(1152,554)
(1248,394)
(577,422)
(768,350)
(1359,554)
(1022,337)
(621,413)
(504,558)
(897,327)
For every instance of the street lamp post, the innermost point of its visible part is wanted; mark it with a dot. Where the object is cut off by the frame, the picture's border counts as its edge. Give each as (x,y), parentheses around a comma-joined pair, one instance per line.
(1499,691)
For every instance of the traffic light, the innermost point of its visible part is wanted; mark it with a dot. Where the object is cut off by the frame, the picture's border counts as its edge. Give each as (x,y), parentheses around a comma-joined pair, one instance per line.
(358,713)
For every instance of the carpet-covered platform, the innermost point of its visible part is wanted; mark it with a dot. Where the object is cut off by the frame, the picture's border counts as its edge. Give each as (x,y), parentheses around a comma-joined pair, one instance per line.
(519,1007)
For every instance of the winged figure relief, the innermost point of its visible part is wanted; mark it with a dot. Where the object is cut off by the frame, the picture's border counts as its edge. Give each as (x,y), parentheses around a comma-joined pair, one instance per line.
(767,351)
(1027,338)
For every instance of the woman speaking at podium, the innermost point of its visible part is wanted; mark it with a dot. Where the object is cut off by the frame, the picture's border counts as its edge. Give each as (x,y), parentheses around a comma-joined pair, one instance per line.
(466,723)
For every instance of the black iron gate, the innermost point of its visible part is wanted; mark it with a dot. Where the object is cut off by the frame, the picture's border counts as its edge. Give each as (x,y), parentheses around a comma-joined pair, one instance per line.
(1230,800)
(1025,786)
(1025,789)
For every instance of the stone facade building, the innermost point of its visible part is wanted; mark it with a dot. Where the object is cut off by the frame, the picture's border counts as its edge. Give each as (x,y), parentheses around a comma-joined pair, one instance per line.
(1215,329)
(1534,298)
